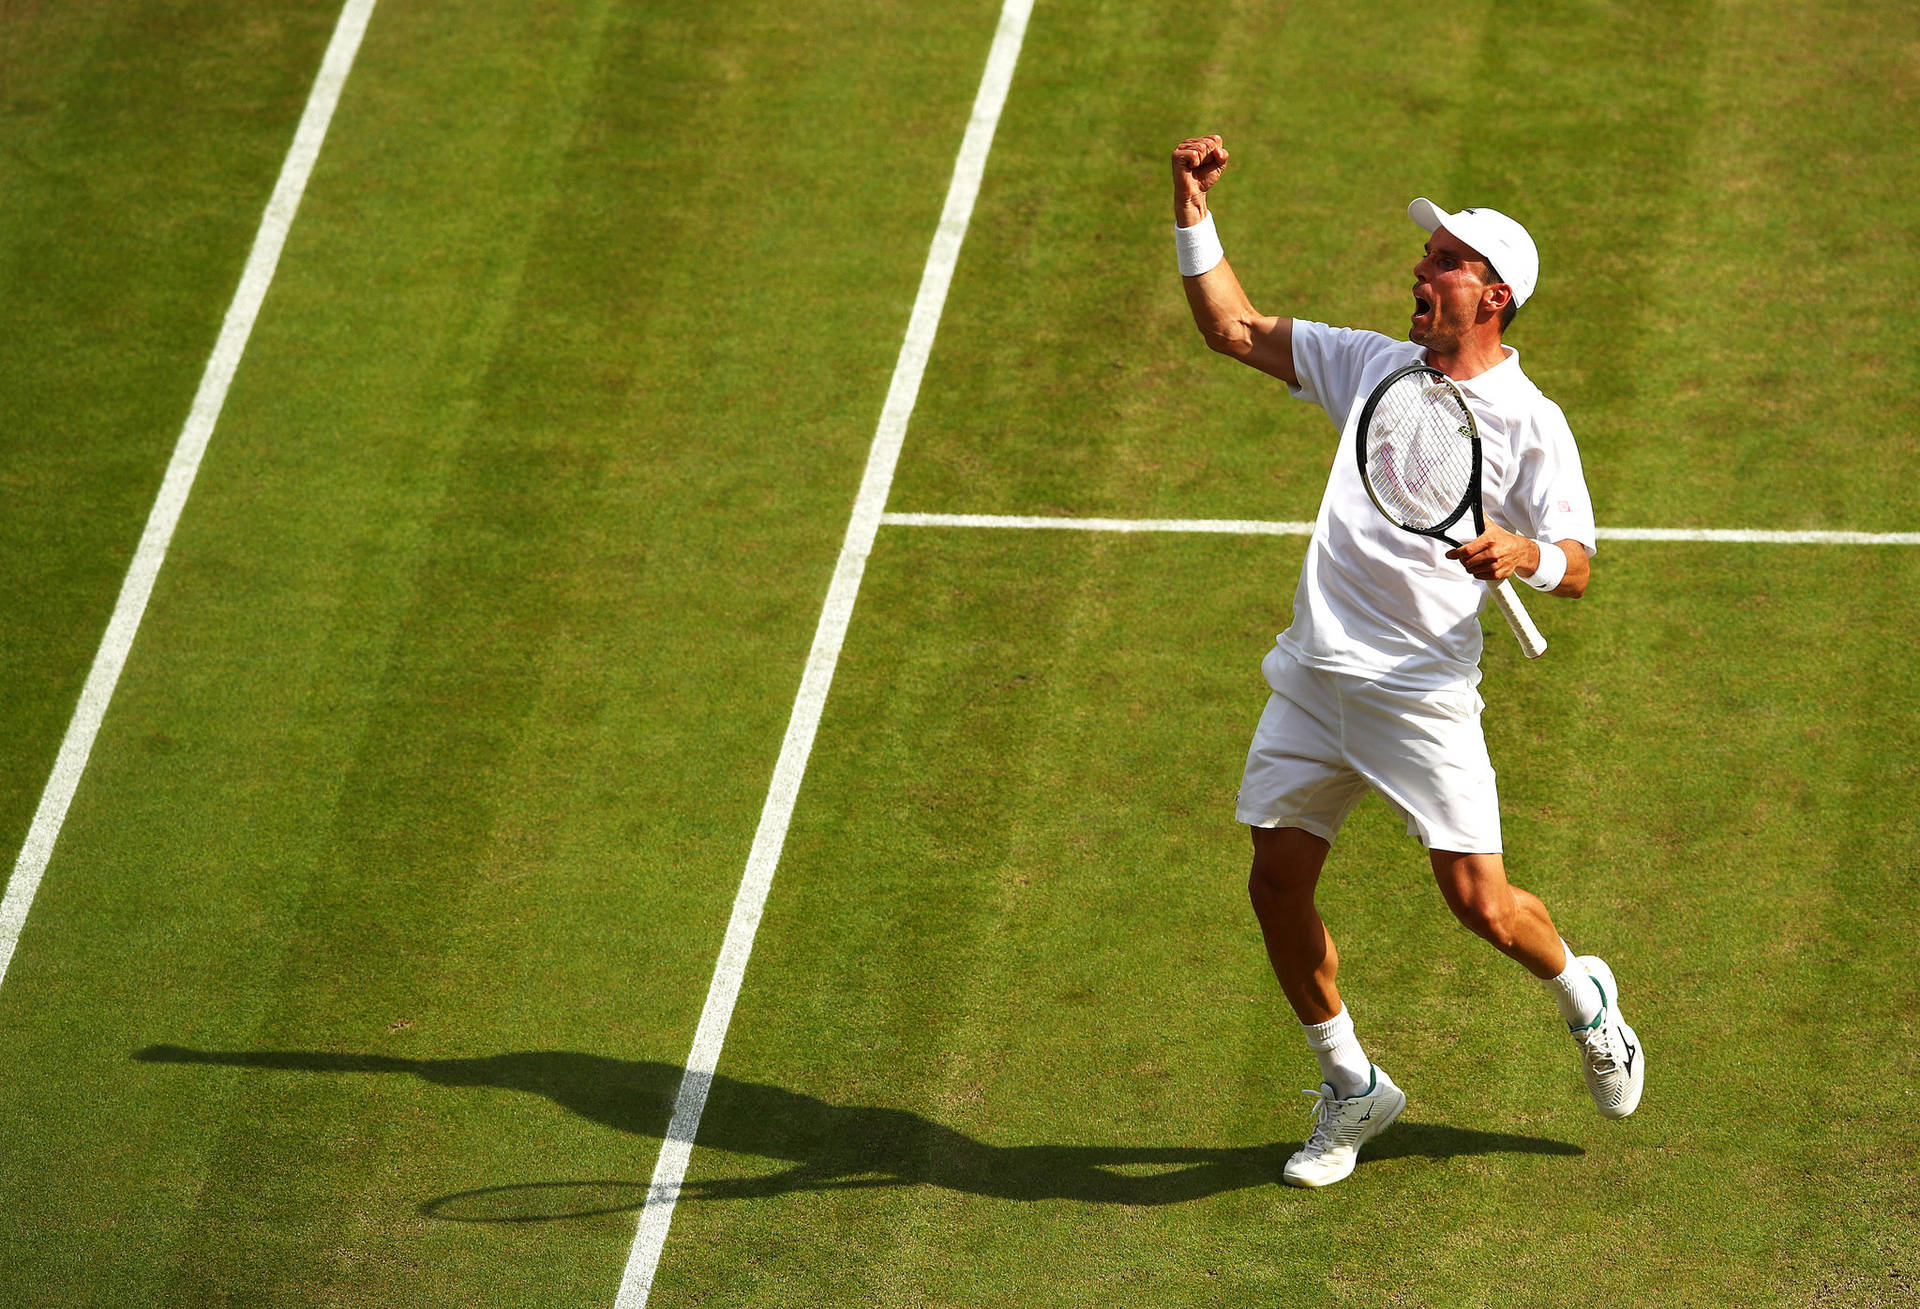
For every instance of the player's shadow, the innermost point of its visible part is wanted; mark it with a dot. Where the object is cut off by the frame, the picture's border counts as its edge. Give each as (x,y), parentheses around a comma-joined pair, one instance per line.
(829,1146)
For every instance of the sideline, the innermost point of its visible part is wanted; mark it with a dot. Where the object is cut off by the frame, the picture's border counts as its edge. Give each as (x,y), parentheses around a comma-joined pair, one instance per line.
(868,510)
(188,450)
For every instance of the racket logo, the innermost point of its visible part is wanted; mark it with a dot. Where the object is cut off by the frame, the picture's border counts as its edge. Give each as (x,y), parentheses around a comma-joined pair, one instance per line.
(1423,475)
(1389,479)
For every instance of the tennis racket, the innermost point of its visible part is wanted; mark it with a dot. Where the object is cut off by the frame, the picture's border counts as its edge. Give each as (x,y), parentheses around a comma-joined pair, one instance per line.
(1419,452)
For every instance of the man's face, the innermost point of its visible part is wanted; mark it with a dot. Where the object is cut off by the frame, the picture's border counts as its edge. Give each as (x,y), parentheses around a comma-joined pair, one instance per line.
(1448,285)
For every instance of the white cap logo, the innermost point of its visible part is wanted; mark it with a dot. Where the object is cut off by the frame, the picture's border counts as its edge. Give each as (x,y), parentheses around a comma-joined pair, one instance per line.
(1500,241)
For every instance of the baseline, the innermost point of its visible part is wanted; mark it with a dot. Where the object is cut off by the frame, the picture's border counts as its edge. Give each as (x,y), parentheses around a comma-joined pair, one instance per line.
(676,1146)
(108,661)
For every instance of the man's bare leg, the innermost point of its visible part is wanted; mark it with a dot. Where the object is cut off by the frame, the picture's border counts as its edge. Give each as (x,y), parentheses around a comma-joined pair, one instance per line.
(1286,869)
(1477,890)
(1513,921)
(1358,1101)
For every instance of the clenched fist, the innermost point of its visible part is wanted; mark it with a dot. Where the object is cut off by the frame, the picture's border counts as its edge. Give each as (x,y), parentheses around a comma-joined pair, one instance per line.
(1197,164)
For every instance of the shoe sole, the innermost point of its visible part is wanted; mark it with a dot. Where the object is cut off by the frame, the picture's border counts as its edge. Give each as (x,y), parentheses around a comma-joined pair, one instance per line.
(1307,1184)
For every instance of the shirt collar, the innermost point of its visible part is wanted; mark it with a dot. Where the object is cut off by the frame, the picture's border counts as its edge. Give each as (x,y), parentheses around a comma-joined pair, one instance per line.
(1499,381)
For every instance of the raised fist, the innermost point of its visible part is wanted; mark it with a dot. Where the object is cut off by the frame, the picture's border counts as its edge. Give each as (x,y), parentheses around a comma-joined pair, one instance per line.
(1197,164)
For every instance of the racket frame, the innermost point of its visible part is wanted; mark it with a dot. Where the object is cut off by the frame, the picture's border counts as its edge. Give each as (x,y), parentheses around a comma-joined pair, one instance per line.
(1532,643)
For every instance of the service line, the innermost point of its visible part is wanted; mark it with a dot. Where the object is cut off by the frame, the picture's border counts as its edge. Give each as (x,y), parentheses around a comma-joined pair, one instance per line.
(188,450)
(868,509)
(1259,527)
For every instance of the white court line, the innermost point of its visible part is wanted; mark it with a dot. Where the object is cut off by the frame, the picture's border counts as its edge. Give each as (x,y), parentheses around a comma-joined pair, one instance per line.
(1229,526)
(1745,536)
(1257,527)
(677,1146)
(111,657)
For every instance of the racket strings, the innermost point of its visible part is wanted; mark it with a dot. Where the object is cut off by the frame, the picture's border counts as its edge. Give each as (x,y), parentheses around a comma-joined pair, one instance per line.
(1420,456)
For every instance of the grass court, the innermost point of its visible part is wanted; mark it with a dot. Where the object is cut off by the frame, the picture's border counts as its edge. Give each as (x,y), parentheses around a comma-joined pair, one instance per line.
(366,966)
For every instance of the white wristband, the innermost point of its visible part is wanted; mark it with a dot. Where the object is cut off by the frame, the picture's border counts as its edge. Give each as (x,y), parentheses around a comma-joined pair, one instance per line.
(1198,247)
(1553,567)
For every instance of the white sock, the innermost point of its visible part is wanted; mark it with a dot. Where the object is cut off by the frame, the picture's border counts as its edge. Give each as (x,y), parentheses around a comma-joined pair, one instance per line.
(1574,991)
(1342,1062)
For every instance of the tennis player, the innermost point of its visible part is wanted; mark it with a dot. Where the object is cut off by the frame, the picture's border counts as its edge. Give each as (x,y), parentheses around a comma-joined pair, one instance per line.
(1374,685)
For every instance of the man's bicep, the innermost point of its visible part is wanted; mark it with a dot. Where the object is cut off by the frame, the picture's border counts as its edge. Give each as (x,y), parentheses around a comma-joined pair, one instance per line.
(1272,348)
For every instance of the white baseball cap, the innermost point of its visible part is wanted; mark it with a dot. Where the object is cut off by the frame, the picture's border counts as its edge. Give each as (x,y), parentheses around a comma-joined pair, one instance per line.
(1501,241)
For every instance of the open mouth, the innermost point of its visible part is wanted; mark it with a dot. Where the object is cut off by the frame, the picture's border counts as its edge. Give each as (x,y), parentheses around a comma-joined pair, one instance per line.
(1421,306)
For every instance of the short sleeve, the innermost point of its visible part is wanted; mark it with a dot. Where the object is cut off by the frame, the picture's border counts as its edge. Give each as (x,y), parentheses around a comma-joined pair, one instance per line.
(1552,486)
(1331,363)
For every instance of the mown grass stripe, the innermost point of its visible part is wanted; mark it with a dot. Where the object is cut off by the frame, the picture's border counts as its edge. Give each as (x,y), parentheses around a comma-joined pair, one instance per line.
(104,675)
(676,1148)
(1255,527)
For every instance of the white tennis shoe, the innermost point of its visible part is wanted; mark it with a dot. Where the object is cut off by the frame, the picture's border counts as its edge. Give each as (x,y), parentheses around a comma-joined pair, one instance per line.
(1340,1128)
(1610,1053)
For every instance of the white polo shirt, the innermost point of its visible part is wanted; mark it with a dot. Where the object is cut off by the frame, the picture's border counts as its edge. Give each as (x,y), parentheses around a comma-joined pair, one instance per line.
(1382,603)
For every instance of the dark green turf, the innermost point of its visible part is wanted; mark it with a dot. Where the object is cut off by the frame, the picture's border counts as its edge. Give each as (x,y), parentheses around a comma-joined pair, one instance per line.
(138,144)
(461,689)
(366,964)
(1011,925)
(1726,253)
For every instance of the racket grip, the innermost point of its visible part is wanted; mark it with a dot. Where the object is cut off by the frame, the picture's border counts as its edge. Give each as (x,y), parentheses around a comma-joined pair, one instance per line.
(1532,644)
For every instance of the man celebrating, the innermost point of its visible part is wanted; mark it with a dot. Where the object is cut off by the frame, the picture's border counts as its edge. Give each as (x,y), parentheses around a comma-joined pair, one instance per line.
(1374,684)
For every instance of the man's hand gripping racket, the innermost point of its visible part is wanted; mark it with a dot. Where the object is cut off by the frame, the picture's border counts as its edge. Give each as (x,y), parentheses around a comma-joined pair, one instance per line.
(1419,451)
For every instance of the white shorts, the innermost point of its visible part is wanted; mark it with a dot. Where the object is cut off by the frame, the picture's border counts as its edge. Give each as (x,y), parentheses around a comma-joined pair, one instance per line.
(1325,737)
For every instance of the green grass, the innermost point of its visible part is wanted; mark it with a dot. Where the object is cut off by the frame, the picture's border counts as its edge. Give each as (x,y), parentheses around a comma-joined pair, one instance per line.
(366,963)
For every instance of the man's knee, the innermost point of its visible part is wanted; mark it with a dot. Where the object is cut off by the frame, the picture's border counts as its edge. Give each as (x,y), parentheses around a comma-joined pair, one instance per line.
(1476,889)
(1489,916)
(1272,889)
(1286,867)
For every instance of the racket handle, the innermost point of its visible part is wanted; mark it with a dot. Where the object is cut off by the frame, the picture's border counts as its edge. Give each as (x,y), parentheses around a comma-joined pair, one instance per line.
(1532,644)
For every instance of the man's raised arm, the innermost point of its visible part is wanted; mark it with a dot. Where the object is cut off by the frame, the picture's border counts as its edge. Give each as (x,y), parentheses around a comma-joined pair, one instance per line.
(1221,309)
